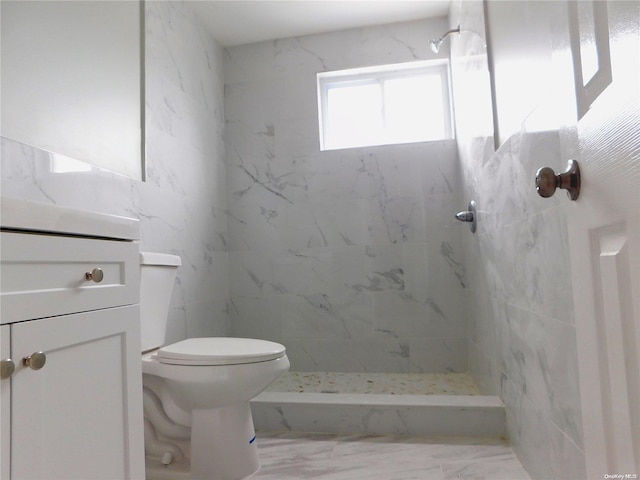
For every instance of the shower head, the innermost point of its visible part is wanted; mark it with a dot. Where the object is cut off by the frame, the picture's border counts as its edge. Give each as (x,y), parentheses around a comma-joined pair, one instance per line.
(437,43)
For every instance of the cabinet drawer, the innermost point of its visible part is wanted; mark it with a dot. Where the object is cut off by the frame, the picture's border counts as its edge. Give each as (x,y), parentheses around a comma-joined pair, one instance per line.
(44,275)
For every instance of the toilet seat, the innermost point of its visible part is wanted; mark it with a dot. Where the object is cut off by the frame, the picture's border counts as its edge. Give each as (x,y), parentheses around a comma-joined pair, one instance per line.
(220,351)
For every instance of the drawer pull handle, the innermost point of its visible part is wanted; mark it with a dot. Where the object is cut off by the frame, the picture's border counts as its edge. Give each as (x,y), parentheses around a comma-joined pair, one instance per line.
(7,368)
(96,275)
(35,361)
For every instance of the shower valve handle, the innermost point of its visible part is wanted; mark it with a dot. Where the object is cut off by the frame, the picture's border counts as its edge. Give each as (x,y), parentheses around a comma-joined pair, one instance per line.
(465,216)
(469,216)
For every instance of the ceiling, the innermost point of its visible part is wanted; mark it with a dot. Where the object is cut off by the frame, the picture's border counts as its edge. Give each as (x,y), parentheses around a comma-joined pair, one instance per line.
(238,22)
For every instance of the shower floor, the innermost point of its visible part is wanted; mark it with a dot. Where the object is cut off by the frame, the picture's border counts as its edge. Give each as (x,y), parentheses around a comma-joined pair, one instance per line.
(447,404)
(376,383)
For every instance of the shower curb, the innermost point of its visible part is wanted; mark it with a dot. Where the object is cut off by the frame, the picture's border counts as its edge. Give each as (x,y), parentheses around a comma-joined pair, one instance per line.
(438,415)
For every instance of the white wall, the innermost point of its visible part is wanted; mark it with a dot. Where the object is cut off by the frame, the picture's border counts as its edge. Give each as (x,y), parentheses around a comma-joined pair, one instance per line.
(181,206)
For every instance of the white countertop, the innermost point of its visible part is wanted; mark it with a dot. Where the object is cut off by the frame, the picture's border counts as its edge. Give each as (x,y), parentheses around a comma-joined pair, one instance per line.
(26,215)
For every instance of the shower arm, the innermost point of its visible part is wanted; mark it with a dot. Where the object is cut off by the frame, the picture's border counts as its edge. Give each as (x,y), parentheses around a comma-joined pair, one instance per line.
(449,32)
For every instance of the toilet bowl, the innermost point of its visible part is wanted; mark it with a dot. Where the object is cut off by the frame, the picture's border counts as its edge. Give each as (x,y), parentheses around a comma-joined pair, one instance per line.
(198,422)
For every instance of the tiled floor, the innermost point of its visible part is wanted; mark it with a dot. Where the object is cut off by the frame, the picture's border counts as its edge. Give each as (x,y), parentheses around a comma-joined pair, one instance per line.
(291,456)
(389,383)
(302,456)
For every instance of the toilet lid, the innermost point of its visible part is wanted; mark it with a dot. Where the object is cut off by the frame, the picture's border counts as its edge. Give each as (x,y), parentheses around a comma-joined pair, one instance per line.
(220,351)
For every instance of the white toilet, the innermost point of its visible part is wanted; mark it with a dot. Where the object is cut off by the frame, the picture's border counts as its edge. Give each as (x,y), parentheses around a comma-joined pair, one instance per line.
(198,421)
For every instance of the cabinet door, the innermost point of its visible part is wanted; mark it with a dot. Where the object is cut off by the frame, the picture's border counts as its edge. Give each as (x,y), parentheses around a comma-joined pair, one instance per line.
(80,416)
(5,406)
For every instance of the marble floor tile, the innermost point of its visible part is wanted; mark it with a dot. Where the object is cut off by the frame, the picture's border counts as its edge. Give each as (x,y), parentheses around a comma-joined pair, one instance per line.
(289,456)
(506,470)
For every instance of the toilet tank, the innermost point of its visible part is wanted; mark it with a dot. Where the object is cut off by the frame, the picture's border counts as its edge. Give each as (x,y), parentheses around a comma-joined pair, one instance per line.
(157,275)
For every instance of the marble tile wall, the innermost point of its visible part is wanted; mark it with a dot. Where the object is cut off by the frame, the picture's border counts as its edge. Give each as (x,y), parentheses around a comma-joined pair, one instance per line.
(522,343)
(351,258)
(181,206)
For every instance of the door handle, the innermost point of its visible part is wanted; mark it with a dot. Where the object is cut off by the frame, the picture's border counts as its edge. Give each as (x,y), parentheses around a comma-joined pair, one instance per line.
(547,181)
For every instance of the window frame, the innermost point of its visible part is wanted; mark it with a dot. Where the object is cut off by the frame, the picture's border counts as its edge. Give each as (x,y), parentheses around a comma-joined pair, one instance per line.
(378,75)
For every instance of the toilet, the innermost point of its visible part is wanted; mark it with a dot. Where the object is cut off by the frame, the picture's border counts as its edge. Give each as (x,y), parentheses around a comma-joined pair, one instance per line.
(198,422)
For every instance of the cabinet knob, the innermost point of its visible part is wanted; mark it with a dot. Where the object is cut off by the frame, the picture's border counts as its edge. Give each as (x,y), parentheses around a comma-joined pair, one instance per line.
(35,361)
(7,367)
(96,275)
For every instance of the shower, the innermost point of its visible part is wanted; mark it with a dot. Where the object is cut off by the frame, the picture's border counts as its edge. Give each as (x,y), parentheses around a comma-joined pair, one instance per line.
(437,43)
(347,257)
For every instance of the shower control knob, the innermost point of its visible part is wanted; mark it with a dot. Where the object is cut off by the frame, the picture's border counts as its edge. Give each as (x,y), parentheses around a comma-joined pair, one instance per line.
(469,216)
(96,275)
(35,361)
(465,216)
(7,367)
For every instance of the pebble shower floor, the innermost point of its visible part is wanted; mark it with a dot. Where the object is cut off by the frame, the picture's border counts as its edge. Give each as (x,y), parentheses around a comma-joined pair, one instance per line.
(377,383)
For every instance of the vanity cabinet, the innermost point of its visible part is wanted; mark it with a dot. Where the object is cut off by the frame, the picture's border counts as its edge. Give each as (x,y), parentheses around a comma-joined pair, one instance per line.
(79,415)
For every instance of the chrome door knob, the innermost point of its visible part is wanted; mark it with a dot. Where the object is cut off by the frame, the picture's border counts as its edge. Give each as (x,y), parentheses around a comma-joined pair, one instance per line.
(7,367)
(35,361)
(96,275)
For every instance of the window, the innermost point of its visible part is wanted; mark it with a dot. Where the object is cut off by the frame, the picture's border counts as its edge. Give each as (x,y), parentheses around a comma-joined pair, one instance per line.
(391,104)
